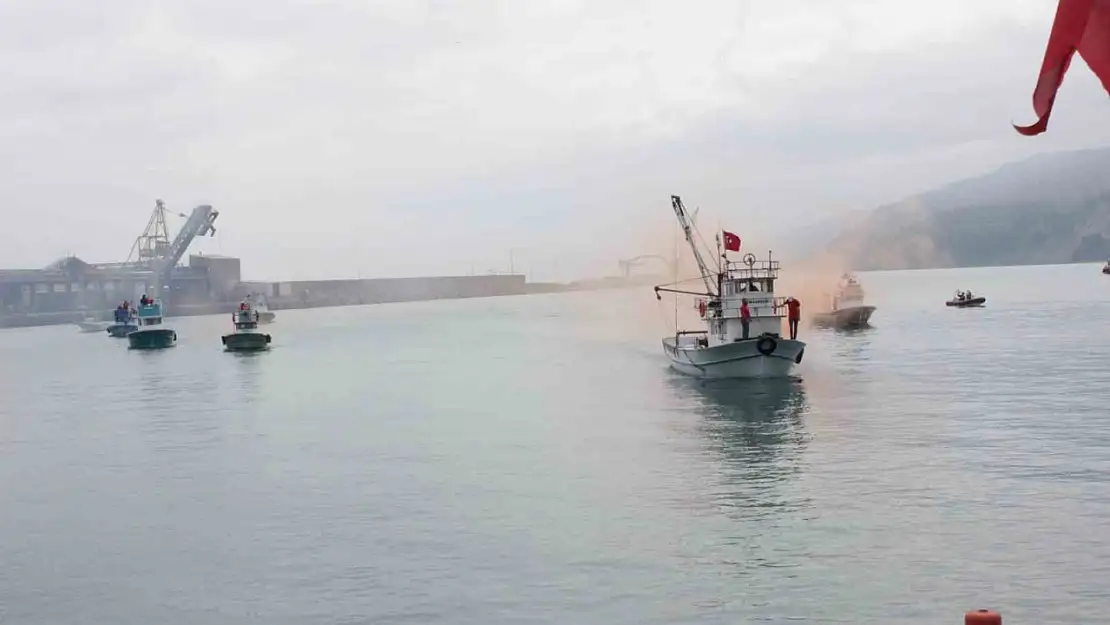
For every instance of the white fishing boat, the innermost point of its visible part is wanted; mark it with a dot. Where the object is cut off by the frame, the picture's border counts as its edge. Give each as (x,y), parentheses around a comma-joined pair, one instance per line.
(847,309)
(726,349)
(258,304)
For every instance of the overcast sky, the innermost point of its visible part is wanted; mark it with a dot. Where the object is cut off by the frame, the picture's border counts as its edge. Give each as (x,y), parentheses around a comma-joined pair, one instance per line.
(409,137)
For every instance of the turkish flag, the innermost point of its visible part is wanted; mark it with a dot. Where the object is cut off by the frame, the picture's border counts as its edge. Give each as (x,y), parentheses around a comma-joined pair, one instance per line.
(1081,26)
(732,242)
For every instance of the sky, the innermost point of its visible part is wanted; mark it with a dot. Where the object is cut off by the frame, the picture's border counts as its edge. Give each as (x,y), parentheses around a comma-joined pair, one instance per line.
(372,138)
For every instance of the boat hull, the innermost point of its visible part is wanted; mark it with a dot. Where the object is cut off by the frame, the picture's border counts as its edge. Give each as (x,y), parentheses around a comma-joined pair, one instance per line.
(121,330)
(974,302)
(845,318)
(93,326)
(158,338)
(246,342)
(739,360)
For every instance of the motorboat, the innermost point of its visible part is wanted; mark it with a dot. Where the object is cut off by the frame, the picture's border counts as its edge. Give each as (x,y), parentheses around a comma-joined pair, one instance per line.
(93,324)
(258,303)
(966,299)
(124,324)
(847,309)
(152,332)
(246,337)
(725,349)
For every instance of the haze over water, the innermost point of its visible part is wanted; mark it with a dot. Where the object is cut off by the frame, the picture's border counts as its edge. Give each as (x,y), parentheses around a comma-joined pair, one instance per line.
(533,460)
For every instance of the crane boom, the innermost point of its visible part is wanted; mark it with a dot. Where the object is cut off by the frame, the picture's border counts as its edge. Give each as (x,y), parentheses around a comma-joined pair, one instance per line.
(687,228)
(198,224)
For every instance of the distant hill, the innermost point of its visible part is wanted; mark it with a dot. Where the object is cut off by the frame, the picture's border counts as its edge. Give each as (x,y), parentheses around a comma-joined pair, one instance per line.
(1051,208)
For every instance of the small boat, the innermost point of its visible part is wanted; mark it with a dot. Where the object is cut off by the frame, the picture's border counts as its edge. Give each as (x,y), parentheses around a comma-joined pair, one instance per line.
(265,315)
(246,337)
(125,323)
(724,350)
(966,299)
(151,333)
(1106,267)
(847,310)
(92,324)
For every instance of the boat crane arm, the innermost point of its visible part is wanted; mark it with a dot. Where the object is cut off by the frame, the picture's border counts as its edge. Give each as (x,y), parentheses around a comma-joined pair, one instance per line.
(660,289)
(687,229)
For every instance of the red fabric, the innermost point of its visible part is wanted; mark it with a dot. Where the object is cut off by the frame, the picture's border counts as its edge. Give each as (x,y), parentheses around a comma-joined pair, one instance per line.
(732,242)
(795,309)
(744,312)
(1081,26)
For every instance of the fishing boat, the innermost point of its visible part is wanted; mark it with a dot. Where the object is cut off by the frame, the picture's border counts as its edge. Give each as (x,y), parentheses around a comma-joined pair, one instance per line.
(847,309)
(125,323)
(724,349)
(246,336)
(966,299)
(265,315)
(152,332)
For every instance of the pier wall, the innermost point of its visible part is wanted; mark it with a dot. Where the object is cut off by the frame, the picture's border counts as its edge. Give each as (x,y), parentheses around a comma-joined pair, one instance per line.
(384,290)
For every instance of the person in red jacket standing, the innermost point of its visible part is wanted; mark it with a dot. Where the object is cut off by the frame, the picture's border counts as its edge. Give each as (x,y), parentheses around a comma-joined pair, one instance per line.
(745,317)
(794,314)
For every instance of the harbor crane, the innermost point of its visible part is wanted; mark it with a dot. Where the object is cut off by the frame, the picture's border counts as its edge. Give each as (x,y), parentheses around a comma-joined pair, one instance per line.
(153,250)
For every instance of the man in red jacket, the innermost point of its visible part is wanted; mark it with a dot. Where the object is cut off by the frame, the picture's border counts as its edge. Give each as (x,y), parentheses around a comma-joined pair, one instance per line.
(745,317)
(794,314)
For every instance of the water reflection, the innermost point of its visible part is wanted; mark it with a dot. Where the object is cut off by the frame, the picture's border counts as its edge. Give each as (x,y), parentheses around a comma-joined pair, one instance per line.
(757,431)
(246,375)
(851,350)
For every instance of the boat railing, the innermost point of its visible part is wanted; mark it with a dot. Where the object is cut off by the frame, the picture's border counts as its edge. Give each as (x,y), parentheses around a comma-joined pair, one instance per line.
(758,304)
(752,269)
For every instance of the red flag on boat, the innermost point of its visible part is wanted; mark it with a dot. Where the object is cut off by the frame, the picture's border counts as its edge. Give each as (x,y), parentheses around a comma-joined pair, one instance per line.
(1081,26)
(732,242)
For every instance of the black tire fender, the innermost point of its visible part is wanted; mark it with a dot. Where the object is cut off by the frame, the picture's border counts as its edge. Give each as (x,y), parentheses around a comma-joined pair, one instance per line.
(766,345)
(798,359)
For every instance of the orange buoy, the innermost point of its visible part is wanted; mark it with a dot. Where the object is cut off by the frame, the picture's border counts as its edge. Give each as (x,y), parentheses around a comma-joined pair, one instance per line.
(982,617)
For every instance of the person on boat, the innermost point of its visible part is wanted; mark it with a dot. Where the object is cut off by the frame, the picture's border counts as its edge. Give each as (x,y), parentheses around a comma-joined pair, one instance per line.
(794,315)
(243,305)
(745,316)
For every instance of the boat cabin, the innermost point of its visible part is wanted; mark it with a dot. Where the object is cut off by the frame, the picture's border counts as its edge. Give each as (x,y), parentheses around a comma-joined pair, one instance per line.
(849,293)
(150,314)
(245,319)
(752,280)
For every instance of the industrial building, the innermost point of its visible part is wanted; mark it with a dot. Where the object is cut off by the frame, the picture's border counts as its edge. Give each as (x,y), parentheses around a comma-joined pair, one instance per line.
(71,288)
(71,285)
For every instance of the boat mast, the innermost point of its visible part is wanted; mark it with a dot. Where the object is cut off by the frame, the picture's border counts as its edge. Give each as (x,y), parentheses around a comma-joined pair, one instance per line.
(687,229)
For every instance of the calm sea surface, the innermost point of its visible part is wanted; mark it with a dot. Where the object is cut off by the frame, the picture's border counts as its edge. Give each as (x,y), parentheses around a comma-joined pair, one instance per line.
(533,460)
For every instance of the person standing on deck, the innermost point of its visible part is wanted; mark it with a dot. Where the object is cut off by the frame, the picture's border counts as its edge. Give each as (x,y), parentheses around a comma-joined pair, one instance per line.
(745,317)
(794,314)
